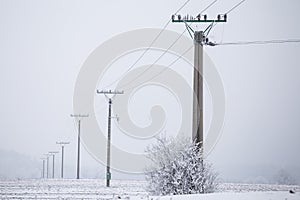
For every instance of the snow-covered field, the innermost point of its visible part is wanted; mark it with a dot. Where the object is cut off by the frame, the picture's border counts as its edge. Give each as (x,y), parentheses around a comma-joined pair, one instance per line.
(70,189)
(134,190)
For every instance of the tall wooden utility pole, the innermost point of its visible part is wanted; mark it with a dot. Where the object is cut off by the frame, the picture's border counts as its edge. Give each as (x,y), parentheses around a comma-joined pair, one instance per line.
(200,39)
(197,129)
(53,160)
(43,167)
(79,116)
(47,164)
(62,157)
(106,93)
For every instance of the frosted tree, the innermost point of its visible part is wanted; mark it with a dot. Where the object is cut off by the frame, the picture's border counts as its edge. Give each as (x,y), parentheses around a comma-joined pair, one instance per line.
(178,167)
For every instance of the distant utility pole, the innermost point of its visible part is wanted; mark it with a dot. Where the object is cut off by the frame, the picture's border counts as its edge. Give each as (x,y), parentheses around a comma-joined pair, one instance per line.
(62,156)
(78,116)
(43,168)
(52,153)
(200,39)
(112,95)
(47,159)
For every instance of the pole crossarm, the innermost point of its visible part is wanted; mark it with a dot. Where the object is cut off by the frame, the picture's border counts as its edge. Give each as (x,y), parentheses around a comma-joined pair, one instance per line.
(53,152)
(62,143)
(79,115)
(109,92)
(221,18)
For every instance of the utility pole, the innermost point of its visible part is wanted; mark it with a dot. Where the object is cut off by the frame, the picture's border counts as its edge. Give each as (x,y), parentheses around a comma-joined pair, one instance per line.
(47,163)
(52,153)
(62,157)
(79,116)
(198,88)
(43,168)
(200,39)
(106,93)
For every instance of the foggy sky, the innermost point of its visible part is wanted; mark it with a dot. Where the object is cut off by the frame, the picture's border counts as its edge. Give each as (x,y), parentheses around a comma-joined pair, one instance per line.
(44,44)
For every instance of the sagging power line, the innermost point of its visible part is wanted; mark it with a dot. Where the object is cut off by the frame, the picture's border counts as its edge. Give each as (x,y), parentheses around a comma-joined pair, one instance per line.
(166,50)
(258,42)
(149,47)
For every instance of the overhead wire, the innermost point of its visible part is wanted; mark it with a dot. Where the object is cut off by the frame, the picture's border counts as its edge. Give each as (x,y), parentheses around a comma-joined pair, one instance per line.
(230,10)
(207,7)
(148,68)
(258,42)
(148,48)
(187,26)
(165,26)
(234,7)
(165,51)
(165,68)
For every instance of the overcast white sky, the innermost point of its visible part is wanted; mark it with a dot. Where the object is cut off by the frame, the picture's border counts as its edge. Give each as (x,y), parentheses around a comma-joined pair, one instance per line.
(44,44)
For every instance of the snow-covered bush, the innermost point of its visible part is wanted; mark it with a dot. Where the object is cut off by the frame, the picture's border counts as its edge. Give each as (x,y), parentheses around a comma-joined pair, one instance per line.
(178,167)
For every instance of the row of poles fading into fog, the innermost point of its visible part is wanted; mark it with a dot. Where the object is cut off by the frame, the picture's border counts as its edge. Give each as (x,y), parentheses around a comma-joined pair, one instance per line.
(46,162)
(45,173)
(78,117)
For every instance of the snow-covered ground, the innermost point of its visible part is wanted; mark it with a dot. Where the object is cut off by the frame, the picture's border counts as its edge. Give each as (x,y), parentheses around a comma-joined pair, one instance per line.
(70,189)
(134,190)
(272,195)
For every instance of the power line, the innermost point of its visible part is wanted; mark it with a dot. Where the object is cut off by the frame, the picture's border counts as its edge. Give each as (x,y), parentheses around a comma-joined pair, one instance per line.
(230,10)
(259,42)
(179,9)
(207,7)
(165,69)
(155,39)
(147,49)
(234,7)
(165,51)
